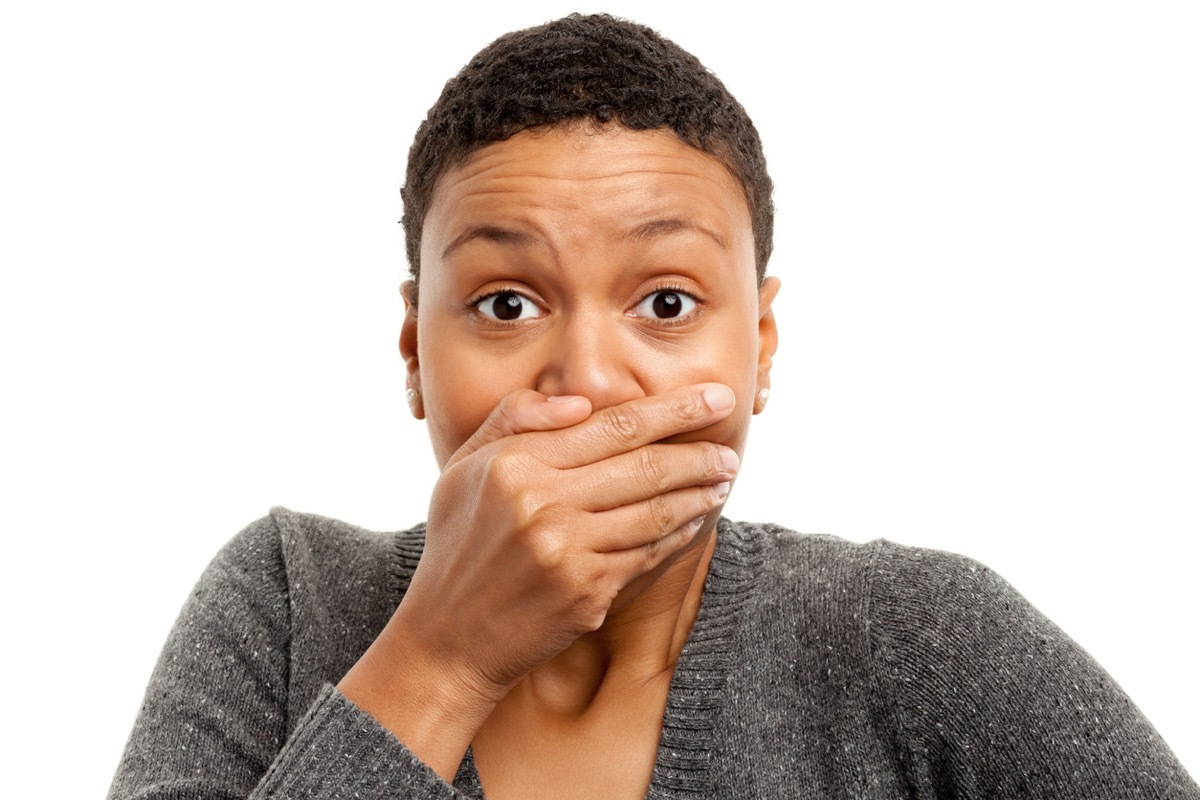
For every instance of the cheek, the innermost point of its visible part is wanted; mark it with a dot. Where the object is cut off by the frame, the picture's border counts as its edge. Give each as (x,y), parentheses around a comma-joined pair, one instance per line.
(452,422)
(732,365)
(459,392)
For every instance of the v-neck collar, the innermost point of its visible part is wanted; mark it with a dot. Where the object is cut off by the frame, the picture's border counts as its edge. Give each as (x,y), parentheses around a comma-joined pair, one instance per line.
(697,691)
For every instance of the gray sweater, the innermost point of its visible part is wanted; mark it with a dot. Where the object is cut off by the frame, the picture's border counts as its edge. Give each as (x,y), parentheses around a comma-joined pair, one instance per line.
(817,668)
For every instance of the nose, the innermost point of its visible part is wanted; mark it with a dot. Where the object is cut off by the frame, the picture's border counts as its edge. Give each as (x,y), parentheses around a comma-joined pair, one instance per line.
(588,355)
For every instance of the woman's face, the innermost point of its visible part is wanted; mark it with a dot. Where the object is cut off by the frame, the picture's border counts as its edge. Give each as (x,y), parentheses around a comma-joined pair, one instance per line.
(606,263)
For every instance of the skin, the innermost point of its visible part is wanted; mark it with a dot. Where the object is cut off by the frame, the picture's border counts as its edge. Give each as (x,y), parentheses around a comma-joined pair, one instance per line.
(586,447)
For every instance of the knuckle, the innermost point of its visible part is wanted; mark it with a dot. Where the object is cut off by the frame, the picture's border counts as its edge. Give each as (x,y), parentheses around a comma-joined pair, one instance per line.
(652,469)
(660,517)
(594,598)
(499,423)
(528,506)
(549,551)
(581,584)
(651,551)
(688,407)
(713,464)
(593,618)
(621,424)
(504,470)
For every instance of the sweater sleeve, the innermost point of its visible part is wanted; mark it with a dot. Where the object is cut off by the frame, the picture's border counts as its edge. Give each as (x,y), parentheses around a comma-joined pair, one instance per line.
(214,720)
(991,700)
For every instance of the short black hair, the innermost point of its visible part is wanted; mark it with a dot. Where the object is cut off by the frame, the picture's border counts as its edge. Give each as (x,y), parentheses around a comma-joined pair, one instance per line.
(581,68)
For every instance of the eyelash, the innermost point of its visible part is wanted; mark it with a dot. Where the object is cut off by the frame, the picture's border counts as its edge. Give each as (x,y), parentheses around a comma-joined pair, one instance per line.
(676,289)
(472,305)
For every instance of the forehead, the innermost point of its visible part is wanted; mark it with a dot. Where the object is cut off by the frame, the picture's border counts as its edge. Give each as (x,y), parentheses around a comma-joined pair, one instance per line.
(583,177)
(572,149)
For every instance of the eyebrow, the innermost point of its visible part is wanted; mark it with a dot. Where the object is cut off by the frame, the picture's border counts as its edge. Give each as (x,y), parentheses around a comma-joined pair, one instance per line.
(670,226)
(490,233)
(647,230)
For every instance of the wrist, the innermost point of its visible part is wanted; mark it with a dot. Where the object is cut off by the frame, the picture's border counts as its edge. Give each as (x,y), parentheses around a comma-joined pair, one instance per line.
(431,707)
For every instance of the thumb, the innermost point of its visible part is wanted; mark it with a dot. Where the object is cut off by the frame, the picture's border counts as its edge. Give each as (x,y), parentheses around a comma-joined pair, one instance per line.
(523,411)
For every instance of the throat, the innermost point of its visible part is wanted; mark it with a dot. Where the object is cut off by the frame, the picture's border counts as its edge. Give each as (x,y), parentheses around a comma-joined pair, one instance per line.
(534,746)
(588,722)
(638,645)
(579,684)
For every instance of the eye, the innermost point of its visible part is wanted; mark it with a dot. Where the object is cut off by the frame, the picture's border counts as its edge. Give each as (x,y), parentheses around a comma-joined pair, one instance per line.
(507,307)
(665,304)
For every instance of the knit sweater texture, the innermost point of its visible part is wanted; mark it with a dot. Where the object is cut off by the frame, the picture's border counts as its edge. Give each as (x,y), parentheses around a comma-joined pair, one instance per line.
(816,668)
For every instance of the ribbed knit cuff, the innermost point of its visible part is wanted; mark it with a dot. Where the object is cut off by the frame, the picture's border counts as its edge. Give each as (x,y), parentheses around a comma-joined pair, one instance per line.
(339,751)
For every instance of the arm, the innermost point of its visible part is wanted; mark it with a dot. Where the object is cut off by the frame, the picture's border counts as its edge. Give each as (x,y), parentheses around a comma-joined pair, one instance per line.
(214,720)
(991,699)
(536,525)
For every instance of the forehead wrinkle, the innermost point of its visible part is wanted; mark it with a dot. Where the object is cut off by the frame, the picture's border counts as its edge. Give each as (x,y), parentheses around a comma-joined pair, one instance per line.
(489,164)
(576,182)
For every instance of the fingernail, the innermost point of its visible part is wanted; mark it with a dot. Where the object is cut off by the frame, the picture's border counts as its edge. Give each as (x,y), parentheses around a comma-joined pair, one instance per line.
(719,398)
(722,490)
(730,461)
(564,399)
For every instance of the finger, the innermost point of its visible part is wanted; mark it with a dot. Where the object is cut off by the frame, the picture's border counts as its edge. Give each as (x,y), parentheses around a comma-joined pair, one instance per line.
(640,525)
(630,425)
(627,565)
(523,411)
(652,470)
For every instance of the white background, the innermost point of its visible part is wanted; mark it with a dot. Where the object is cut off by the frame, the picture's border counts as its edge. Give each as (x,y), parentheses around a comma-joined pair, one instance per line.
(988,243)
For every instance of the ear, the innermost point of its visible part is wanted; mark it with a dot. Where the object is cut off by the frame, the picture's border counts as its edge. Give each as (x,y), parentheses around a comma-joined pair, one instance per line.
(768,341)
(408,350)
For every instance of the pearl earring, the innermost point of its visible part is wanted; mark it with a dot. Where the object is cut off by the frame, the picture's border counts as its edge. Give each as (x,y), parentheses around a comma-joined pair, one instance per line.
(411,395)
(763,396)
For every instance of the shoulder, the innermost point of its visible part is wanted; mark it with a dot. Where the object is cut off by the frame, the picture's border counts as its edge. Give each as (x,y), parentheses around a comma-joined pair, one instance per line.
(968,683)
(924,577)
(919,626)
(877,563)
(302,549)
(885,582)
(937,612)
(318,547)
(325,586)
(304,564)
(917,612)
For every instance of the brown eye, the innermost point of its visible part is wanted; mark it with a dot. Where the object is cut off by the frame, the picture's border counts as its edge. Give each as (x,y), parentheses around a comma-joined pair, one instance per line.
(666,304)
(507,307)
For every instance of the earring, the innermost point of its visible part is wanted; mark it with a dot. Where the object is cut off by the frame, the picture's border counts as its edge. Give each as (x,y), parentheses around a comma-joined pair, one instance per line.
(763,396)
(412,395)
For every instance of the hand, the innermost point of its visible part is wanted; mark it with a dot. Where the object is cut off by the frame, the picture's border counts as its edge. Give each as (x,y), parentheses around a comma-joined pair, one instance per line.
(535,525)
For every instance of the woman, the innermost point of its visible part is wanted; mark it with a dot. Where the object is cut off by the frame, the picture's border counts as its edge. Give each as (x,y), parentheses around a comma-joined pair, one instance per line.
(589,331)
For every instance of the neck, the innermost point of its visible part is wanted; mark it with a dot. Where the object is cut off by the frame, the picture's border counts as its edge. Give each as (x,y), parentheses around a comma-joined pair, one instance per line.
(639,642)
